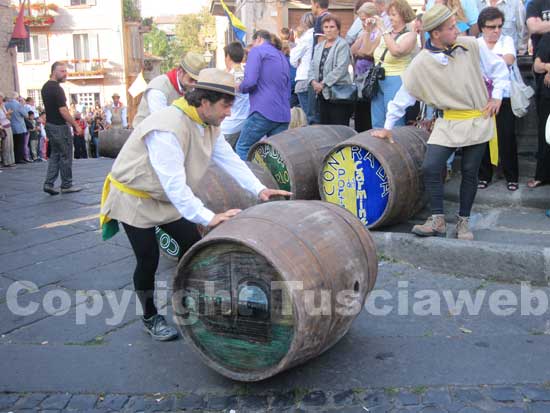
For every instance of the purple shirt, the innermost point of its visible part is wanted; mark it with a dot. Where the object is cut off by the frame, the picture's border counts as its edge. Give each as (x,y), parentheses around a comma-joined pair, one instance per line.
(267,81)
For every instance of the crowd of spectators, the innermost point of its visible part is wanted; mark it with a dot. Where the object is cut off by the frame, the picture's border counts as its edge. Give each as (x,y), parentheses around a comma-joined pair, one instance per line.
(23,136)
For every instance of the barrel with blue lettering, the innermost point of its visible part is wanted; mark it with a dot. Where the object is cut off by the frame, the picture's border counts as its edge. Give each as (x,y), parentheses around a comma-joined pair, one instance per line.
(273,287)
(294,156)
(378,181)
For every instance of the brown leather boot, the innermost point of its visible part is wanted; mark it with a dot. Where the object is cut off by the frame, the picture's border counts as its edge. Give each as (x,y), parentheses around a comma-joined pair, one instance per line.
(463,229)
(433,227)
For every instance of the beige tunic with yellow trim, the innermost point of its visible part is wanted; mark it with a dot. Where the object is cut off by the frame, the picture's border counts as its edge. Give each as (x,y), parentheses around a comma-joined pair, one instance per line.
(459,85)
(133,169)
(161,83)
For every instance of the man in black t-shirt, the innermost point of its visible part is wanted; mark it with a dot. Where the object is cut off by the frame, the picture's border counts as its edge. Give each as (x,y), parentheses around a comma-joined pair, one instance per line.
(538,20)
(58,120)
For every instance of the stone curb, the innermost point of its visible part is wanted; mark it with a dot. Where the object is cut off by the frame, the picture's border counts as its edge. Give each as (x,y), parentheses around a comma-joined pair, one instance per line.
(478,259)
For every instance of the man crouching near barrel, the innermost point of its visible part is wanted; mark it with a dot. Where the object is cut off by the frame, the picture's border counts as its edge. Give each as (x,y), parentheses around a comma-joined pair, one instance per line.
(150,182)
(449,75)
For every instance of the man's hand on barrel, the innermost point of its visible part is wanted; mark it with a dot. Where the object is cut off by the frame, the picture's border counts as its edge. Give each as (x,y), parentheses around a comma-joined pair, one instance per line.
(492,108)
(224,216)
(267,193)
(383,134)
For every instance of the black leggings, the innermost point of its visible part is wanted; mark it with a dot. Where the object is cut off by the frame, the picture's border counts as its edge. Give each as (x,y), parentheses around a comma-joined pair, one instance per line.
(146,250)
(433,167)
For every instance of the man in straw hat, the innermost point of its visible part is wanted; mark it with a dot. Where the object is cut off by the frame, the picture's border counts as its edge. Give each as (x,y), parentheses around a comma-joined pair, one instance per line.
(152,178)
(164,89)
(115,114)
(449,75)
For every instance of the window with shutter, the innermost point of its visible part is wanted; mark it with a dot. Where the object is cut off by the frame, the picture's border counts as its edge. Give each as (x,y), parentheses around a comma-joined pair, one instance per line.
(43,52)
(38,51)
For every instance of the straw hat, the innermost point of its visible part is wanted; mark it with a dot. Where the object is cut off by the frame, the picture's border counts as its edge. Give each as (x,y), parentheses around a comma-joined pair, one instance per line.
(436,16)
(193,63)
(216,80)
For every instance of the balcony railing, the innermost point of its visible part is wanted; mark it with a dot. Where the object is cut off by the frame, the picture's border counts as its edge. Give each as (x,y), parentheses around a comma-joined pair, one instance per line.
(86,68)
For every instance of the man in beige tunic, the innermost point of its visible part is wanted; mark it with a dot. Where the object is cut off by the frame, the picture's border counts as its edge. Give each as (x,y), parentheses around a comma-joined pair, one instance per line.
(152,178)
(116,114)
(164,89)
(449,75)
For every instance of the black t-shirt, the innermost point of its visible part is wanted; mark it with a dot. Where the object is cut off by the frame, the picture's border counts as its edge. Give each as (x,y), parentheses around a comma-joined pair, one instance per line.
(54,98)
(541,9)
(543,53)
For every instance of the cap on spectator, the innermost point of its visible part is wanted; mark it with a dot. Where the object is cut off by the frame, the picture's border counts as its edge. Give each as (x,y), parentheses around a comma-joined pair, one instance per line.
(216,80)
(193,63)
(436,16)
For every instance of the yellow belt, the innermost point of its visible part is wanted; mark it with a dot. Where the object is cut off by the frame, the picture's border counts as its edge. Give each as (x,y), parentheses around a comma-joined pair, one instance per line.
(108,226)
(452,114)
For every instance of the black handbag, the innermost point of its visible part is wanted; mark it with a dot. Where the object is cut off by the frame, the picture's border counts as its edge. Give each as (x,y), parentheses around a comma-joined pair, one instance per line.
(370,85)
(344,93)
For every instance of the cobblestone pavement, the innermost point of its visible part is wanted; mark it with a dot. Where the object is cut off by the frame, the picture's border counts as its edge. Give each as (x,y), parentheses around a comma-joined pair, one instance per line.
(399,361)
(448,399)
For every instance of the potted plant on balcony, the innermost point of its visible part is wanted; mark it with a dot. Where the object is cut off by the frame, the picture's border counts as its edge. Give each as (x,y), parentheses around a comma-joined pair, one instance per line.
(41,15)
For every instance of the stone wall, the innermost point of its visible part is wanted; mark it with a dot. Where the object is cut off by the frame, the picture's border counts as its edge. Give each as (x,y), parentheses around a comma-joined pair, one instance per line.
(7,81)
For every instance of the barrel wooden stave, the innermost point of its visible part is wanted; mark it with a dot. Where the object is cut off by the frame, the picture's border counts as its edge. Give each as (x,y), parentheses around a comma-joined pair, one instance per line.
(343,258)
(401,163)
(111,141)
(219,192)
(296,156)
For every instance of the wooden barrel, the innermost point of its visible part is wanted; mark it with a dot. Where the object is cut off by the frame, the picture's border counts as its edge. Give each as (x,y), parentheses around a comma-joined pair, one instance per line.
(111,141)
(219,192)
(276,285)
(294,157)
(379,182)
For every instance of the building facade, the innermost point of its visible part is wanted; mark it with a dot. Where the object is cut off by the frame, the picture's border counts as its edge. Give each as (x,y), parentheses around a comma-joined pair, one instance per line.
(8,73)
(103,50)
(272,15)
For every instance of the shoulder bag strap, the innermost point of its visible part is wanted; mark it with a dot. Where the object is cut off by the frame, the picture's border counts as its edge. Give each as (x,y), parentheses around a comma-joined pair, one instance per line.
(396,37)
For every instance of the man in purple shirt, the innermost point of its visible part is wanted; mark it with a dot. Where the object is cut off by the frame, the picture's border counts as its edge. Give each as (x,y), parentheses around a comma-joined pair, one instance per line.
(267,81)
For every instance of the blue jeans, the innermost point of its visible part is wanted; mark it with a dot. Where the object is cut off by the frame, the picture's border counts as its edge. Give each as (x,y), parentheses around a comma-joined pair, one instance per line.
(303,99)
(386,92)
(95,140)
(255,128)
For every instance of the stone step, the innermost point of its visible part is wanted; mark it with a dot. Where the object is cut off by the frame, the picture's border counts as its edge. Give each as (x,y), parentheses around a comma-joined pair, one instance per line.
(511,244)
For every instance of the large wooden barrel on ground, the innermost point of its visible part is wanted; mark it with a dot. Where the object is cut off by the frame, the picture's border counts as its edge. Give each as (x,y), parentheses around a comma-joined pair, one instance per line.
(111,141)
(219,192)
(273,287)
(294,157)
(379,182)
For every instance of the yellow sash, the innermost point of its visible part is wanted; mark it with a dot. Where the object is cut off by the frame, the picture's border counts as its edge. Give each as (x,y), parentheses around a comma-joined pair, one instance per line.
(109,230)
(453,114)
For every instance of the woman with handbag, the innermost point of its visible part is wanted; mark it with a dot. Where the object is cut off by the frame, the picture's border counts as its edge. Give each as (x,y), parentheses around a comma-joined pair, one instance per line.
(329,75)
(395,50)
(362,51)
(6,135)
(490,22)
